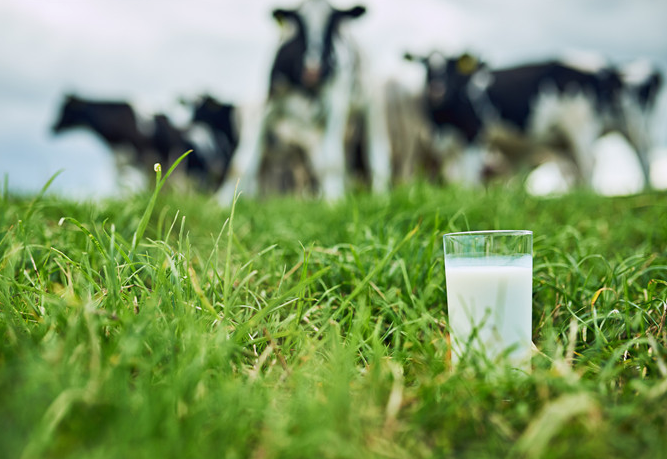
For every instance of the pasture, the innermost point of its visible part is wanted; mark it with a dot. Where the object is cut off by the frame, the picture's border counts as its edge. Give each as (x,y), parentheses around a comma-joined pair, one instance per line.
(163,325)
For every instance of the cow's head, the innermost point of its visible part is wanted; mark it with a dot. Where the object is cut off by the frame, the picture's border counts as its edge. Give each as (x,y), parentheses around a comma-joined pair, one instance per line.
(446,76)
(218,115)
(315,24)
(649,89)
(643,81)
(207,109)
(70,114)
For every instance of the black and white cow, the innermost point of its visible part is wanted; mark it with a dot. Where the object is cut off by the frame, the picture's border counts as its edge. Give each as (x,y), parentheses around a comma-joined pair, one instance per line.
(320,121)
(523,110)
(115,122)
(140,142)
(221,121)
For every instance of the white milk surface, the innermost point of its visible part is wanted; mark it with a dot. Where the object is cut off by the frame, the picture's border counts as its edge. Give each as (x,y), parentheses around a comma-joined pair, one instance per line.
(490,298)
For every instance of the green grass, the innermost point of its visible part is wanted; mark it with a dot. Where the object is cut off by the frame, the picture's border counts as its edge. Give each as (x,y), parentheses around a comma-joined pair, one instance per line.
(158,326)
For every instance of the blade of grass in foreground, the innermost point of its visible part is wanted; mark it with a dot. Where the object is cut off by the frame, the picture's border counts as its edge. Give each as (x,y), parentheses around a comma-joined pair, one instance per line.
(159,182)
(40,195)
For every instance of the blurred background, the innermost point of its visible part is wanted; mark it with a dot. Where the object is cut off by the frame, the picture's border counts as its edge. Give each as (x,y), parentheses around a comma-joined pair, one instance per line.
(151,53)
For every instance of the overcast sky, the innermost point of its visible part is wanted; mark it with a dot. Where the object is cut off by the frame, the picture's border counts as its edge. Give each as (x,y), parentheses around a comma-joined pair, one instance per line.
(151,52)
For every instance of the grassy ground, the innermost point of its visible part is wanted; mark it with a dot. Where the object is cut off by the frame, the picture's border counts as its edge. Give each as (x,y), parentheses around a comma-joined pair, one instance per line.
(297,329)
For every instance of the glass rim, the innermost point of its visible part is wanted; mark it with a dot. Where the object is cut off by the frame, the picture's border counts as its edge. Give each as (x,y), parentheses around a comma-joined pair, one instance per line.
(490,233)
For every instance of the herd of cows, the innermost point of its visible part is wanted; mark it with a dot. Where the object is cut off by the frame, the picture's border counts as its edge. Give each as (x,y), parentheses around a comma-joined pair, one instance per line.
(326,128)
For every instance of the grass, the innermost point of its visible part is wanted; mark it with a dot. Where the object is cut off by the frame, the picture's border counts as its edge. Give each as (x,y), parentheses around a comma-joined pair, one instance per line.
(160,326)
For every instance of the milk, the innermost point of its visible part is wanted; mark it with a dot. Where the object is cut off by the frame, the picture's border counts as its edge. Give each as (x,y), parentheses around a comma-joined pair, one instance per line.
(490,306)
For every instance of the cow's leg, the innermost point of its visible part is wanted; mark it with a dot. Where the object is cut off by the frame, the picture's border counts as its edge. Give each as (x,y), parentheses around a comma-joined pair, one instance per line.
(636,128)
(582,128)
(130,178)
(329,161)
(570,117)
(379,150)
(642,150)
(242,173)
(645,163)
(471,165)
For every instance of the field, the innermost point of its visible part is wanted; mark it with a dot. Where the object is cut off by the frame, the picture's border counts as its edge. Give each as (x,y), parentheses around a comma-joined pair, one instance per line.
(166,326)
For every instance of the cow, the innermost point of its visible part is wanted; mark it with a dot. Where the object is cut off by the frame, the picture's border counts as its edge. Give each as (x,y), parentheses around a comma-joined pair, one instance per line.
(320,124)
(140,142)
(203,167)
(531,111)
(115,122)
(221,122)
(418,149)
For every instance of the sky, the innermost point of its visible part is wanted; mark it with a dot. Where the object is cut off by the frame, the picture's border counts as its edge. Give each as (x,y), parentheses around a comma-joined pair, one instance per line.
(153,52)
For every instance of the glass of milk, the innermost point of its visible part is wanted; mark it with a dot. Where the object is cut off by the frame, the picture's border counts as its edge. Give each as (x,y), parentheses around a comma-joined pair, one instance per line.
(489,278)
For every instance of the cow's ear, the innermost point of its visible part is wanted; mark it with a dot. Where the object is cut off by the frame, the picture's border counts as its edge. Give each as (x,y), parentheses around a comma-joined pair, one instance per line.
(414,58)
(354,12)
(467,64)
(281,15)
(73,100)
(211,104)
(184,101)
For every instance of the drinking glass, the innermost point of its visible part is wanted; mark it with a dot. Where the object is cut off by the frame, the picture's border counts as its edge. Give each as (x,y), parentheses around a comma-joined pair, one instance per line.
(489,280)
